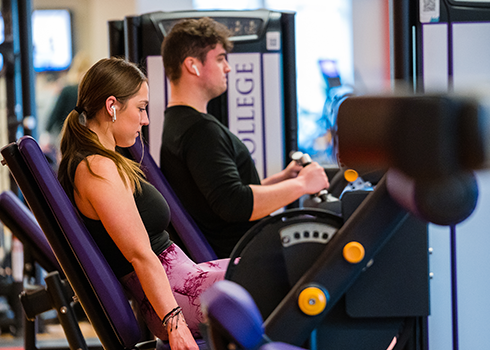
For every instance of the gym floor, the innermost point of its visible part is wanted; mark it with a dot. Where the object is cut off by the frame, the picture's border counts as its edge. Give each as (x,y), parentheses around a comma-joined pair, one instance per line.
(52,337)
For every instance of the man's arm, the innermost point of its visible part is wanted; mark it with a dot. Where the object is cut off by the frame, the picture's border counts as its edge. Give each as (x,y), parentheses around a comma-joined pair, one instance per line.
(291,171)
(269,198)
(209,157)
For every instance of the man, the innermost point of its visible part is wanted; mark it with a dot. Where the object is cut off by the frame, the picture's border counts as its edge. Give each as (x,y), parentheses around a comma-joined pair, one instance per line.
(209,168)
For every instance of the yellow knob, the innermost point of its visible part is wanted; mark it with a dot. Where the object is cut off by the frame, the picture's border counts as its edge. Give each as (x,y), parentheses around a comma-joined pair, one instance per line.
(312,301)
(351,175)
(353,252)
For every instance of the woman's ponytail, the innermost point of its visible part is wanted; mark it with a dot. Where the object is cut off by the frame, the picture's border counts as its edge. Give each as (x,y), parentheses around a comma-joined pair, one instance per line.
(108,77)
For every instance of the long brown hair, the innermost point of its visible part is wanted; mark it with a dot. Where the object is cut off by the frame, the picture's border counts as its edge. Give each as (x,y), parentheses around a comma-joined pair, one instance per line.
(108,77)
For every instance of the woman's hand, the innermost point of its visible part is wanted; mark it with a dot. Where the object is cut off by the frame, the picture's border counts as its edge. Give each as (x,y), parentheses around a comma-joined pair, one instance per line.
(180,338)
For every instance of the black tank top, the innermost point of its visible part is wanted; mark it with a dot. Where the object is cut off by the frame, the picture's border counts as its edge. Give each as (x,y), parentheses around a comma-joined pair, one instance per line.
(155,214)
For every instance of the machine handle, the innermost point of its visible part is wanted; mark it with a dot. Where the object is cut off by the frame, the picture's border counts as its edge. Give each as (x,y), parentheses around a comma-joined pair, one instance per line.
(304,159)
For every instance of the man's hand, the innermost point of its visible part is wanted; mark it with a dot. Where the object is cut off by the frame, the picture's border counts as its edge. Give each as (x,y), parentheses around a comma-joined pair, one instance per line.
(314,177)
(292,170)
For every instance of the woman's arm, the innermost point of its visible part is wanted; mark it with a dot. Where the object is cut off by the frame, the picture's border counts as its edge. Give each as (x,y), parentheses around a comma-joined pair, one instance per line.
(109,200)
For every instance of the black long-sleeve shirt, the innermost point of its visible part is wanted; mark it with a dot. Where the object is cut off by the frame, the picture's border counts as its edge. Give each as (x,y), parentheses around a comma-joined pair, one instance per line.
(210,169)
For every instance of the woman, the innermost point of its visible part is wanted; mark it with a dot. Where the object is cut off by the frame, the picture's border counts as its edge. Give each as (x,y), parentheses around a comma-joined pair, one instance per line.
(125,214)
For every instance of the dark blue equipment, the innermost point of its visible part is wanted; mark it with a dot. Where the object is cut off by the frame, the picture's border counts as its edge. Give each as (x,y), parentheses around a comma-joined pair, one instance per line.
(187,230)
(98,290)
(361,306)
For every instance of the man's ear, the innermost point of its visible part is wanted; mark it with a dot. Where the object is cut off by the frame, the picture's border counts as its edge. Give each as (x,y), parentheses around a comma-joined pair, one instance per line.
(191,66)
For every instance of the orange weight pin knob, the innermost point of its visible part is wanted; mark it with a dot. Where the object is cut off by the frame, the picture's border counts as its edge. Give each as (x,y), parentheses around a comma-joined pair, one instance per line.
(312,301)
(351,175)
(353,252)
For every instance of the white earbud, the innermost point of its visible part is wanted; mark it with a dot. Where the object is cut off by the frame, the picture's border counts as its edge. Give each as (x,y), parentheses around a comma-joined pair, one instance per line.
(113,113)
(195,69)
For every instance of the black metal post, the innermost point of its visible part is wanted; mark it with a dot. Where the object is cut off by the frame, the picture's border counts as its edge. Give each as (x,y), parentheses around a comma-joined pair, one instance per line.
(11,53)
(402,42)
(27,68)
(116,38)
(63,307)
(132,38)
(290,93)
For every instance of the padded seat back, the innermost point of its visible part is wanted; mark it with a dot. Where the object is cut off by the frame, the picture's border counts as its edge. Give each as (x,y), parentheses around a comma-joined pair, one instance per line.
(19,219)
(99,291)
(188,231)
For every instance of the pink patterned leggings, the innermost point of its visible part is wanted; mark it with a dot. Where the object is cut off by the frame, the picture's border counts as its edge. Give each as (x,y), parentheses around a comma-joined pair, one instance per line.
(187,279)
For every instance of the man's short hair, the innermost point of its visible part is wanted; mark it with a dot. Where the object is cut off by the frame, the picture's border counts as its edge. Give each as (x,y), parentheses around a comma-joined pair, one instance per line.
(192,38)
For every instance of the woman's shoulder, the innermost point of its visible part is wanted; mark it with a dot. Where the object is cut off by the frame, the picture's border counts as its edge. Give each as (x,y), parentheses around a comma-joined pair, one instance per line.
(98,165)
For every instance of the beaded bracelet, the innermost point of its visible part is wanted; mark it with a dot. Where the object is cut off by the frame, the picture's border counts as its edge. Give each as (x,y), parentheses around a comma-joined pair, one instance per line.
(177,312)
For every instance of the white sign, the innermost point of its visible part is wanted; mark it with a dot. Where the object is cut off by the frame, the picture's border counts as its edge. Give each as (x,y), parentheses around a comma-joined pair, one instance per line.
(245,116)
